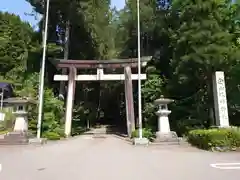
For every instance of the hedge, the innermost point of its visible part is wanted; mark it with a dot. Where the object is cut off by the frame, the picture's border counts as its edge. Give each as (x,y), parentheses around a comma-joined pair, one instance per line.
(221,139)
(51,136)
(147,133)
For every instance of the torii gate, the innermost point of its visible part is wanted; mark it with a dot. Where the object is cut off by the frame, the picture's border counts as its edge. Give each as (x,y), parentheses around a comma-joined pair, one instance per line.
(72,77)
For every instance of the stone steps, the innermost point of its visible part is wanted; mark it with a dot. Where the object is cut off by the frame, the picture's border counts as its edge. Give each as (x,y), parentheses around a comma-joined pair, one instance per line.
(100,135)
(14,138)
(6,142)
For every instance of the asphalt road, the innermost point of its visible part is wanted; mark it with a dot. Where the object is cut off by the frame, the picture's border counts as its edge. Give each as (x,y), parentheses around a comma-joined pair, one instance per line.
(113,159)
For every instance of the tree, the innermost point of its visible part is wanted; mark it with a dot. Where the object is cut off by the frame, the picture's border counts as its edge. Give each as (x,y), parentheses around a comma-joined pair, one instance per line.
(189,40)
(202,44)
(16,44)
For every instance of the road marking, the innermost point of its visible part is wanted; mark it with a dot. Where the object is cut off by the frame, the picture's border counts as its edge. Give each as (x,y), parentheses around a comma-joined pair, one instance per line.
(226,166)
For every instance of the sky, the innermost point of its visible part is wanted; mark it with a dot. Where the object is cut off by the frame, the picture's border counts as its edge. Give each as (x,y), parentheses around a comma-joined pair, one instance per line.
(23,9)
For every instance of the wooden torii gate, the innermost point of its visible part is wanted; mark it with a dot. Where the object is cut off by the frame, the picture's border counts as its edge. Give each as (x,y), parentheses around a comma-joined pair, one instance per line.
(72,77)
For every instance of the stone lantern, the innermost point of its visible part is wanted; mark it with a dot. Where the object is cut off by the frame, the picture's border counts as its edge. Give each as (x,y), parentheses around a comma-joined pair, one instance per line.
(164,132)
(20,129)
(20,110)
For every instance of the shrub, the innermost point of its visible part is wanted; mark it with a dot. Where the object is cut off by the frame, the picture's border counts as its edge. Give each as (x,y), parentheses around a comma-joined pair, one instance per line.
(9,120)
(60,131)
(78,130)
(215,139)
(51,135)
(53,107)
(147,133)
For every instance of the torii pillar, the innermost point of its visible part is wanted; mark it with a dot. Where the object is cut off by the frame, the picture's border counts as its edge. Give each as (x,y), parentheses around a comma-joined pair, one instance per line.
(70,100)
(129,101)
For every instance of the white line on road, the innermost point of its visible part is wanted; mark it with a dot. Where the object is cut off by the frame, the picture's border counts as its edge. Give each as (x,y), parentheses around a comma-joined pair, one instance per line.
(226,166)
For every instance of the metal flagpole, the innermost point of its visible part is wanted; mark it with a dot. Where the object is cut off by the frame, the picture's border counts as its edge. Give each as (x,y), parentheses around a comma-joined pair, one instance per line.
(139,73)
(41,90)
(2,96)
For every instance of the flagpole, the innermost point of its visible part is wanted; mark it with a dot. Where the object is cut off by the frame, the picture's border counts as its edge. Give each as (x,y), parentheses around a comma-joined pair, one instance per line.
(139,73)
(41,89)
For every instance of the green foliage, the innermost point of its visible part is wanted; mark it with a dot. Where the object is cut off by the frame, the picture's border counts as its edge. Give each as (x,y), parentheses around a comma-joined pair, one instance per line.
(51,136)
(8,122)
(78,129)
(213,139)
(183,126)
(204,41)
(152,87)
(53,113)
(188,39)
(16,43)
(233,91)
(53,107)
(151,90)
(83,113)
(29,86)
(147,133)
(192,40)
(2,132)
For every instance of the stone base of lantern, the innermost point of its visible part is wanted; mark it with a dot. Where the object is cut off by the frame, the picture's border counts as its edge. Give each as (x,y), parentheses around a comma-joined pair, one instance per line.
(171,137)
(21,122)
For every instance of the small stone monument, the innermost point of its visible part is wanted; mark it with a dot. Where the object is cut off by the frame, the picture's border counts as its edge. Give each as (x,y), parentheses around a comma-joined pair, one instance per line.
(19,135)
(164,133)
(220,100)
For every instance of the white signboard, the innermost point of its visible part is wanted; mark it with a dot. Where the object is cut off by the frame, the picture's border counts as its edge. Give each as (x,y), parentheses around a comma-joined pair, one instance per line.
(220,99)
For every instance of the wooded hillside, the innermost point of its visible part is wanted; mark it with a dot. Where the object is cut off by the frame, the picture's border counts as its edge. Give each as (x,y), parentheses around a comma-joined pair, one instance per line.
(189,40)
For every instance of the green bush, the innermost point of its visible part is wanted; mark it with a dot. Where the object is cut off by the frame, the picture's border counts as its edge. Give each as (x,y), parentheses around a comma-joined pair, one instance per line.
(78,130)
(51,136)
(216,138)
(53,107)
(8,122)
(60,131)
(147,133)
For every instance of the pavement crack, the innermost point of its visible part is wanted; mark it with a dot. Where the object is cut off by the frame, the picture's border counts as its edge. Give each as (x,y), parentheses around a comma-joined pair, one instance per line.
(41,169)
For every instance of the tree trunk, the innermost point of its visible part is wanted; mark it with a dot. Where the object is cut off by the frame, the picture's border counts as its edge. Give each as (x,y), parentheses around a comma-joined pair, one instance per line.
(66,54)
